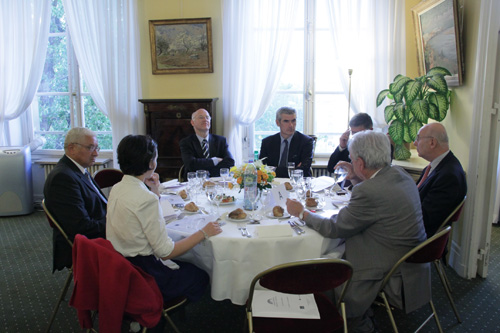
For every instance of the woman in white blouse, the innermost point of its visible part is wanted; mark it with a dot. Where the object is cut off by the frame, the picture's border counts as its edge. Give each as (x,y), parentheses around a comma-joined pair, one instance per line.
(136,228)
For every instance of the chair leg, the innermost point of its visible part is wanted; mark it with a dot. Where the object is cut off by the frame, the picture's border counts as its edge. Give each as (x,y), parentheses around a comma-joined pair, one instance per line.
(61,298)
(438,262)
(167,317)
(389,312)
(442,277)
(436,316)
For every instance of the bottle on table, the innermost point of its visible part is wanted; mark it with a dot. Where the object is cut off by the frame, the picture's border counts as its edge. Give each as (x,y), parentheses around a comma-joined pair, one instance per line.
(250,186)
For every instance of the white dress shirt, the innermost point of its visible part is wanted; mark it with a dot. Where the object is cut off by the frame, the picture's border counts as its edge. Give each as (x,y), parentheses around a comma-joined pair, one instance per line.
(134,221)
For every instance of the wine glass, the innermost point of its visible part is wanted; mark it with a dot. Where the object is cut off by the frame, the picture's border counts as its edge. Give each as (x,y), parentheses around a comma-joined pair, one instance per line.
(291,167)
(224,173)
(218,197)
(211,193)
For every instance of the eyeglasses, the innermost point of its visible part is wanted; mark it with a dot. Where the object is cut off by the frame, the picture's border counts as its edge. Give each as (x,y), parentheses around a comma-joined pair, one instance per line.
(423,137)
(90,148)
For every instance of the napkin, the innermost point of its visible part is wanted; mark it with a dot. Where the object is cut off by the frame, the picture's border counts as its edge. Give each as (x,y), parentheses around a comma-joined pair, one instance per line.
(276,230)
(171,184)
(166,206)
(170,264)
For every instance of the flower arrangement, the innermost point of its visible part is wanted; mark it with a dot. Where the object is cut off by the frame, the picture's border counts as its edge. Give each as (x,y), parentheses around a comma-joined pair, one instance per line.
(265,174)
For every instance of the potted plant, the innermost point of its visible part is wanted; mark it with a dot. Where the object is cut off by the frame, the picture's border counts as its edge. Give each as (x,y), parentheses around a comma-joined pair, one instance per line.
(414,101)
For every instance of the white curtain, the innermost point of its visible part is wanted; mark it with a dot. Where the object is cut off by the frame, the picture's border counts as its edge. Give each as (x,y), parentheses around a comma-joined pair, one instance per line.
(256,36)
(105,38)
(24,31)
(369,38)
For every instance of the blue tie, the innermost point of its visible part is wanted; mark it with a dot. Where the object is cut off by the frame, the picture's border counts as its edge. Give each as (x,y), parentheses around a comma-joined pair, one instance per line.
(284,156)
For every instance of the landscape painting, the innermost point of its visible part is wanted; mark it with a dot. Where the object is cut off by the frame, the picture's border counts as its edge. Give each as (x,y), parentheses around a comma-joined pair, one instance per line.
(438,38)
(181,46)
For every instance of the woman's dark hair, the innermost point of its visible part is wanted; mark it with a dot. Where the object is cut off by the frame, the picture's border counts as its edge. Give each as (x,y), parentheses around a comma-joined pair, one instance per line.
(135,152)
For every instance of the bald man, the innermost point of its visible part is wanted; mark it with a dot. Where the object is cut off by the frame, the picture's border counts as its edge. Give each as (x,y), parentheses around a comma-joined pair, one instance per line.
(444,186)
(204,151)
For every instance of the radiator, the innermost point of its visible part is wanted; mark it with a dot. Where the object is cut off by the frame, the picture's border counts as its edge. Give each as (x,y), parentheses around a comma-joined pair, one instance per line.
(317,172)
(47,168)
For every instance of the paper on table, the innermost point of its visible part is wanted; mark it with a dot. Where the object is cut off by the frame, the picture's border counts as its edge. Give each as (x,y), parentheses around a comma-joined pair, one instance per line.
(320,183)
(279,195)
(166,206)
(171,184)
(266,231)
(268,303)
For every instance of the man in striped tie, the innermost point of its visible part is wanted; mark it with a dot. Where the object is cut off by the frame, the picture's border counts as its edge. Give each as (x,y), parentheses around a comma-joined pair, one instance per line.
(442,185)
(72,196)
(202,150)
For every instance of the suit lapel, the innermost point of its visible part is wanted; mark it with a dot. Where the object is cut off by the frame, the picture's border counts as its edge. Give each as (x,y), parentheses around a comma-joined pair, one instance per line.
(197,146)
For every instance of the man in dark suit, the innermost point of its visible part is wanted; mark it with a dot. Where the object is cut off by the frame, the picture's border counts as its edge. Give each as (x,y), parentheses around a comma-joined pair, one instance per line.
(288,145)
(442,185)
(72,196)
(204,151)
(376,234)
(359,122)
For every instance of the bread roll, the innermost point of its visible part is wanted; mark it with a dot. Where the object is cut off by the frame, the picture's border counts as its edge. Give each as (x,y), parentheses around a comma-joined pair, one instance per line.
(208,182)
(278,211)
(311,202)
(237,214)
(183,194)
(191,207)
(308,194)
(288,186)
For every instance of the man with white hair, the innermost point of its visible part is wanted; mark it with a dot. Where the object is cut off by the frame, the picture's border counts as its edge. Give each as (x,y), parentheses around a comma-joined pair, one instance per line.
(73,197)
(442,185)
(381,223)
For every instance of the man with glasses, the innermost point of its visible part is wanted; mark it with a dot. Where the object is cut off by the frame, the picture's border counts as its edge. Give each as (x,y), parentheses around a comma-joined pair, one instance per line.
(204,151)
(359,122)
(442,185)
(72,196)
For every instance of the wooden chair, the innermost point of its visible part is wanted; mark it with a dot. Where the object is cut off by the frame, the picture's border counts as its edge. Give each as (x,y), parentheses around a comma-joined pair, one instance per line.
(181,174)
(428,251)
(53,224)
(313,276)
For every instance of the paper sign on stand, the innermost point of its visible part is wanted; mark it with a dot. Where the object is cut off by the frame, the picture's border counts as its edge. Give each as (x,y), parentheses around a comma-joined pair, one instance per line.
(279,194)
(166,206)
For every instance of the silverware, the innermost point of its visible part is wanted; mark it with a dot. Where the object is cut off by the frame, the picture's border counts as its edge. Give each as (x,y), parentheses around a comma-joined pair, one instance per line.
(247,233)
(170,219)
(244,232)
(296,228)
(334,205)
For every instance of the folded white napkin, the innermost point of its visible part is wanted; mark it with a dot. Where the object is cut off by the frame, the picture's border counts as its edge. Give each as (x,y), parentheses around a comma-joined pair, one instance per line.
(166,206)
(276,230)
(170,183)
(170,264)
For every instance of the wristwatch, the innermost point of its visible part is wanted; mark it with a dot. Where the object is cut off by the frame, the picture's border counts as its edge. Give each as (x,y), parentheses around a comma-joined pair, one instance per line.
(301,215)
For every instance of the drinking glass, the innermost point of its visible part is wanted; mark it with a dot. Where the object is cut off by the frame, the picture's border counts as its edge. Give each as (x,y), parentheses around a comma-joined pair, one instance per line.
(297,176)
(224,173)
(339,175)
(291,167)
(253,197)
(218,198)
(301,191)
(211,192)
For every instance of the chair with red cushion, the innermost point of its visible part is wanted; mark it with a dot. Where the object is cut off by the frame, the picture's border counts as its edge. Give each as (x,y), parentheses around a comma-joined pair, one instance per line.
(312,276)
(428,251)
(107,177)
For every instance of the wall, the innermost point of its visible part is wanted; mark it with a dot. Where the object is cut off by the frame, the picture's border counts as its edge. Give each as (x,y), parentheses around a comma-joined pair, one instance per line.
(203,85)
(459,119)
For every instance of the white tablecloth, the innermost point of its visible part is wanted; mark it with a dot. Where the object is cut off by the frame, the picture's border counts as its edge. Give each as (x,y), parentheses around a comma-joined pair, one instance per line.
(232,260)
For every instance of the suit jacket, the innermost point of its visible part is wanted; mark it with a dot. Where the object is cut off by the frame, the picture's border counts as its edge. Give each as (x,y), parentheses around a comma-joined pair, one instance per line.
(381,223)
(442,191)
(193,159)
(299,151)
(107,282)
(75,205)
(337,156)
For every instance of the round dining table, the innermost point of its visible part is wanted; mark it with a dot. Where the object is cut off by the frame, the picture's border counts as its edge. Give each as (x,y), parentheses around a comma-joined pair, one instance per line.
(235,256)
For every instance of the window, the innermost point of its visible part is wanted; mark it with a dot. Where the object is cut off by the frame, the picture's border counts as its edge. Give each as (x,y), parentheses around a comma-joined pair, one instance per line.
(310,84)
(62,100)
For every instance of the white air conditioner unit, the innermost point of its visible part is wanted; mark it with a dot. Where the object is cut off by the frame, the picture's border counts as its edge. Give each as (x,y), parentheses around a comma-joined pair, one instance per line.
(16,184)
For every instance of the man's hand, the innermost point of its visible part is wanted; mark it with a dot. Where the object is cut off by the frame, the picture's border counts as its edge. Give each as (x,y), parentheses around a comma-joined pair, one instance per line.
(294,207)
(343,139)
(351,175)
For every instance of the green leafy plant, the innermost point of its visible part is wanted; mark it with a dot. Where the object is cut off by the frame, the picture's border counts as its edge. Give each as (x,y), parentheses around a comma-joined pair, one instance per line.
(414,101)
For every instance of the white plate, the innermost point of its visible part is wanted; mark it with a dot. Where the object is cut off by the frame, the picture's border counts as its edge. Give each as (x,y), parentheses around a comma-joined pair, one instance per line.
(227,203)
(191,213)
(226,217)
(285,215)
(318,207)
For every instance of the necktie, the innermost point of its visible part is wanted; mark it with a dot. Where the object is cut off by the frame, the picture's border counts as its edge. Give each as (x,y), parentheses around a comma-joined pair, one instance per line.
(95,188)
(204,147)
(424,177)
(284,156)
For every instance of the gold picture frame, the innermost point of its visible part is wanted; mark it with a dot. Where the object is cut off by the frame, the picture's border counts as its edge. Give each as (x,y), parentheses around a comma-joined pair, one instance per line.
(181,46)
(438,38)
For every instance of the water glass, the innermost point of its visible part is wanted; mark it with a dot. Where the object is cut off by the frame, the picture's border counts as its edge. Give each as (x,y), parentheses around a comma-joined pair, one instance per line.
(211,193)
(224,173)
(291,167)
(297,176)
(339,175)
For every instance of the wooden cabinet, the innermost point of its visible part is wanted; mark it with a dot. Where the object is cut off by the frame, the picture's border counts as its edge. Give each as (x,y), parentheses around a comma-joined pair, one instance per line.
(168,121)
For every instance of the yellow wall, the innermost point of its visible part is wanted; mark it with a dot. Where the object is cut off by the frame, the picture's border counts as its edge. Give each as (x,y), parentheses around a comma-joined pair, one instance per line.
(203,85)
(208,85)
(459,119)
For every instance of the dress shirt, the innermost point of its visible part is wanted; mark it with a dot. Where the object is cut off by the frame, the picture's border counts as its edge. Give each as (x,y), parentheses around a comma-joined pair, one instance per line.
(435,162)
(135,224)
(214,159)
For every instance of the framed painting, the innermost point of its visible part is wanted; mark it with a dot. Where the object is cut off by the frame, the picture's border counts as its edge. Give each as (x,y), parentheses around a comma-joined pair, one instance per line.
(181,46)
(438,38)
